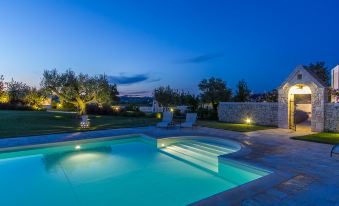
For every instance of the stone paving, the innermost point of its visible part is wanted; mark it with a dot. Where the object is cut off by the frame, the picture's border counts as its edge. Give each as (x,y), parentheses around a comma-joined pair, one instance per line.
(309,175)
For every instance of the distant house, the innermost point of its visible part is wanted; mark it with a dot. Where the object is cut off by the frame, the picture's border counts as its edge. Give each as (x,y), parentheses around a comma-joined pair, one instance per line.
(335,82)
(157,108)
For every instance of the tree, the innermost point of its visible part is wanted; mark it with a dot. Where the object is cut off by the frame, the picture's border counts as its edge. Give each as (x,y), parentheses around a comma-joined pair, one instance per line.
(79,90)
(242,92)
(17,91)
(190,100)
(320,70)
(2,84)
(34,98)
(213,91)
(166,96)
(3,94)
(271,96)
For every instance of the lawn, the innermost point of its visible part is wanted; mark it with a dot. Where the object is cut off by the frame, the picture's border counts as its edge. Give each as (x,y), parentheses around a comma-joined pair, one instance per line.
(25,123)
(232,126)
(323,137)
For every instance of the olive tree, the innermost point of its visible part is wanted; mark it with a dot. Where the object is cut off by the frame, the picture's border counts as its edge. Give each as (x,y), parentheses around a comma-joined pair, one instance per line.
(17,91)
(79,90)
(166,96)
(35,98)
(213,91)
(242,93)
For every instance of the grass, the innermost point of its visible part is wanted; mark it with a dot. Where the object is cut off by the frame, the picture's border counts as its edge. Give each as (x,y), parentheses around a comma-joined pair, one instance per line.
(232,126)
(322,137)
(26,123)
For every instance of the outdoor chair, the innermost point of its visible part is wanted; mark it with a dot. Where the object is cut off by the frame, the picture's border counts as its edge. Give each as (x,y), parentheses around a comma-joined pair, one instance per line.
(166,120)
(191,119)
(335,149)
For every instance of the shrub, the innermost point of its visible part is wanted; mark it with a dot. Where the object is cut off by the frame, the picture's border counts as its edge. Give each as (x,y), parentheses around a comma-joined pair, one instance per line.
(207,114)
(7,106)
(152,114)
(132,113)
(104,110)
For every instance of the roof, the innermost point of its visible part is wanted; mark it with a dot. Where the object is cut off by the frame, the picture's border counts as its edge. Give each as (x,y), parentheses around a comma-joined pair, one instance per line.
(313,76)
(316,77)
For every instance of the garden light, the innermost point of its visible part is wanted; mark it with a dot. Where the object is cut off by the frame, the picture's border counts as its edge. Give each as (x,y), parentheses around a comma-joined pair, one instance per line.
(84,124)
(158,115)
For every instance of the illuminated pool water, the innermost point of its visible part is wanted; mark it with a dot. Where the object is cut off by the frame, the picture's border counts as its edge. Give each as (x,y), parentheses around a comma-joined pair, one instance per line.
(116,172)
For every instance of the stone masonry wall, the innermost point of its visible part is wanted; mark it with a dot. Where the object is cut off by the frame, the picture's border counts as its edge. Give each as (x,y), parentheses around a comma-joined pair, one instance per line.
(332,117)
(260,113)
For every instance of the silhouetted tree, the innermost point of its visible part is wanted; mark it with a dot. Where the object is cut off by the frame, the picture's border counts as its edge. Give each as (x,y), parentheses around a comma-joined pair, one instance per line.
(320,70)
(213,91)
(242,93)
(189,100)
(166,96)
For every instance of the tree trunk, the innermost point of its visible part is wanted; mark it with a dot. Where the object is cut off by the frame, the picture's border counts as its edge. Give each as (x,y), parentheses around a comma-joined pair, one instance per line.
(82,107)
(215,106)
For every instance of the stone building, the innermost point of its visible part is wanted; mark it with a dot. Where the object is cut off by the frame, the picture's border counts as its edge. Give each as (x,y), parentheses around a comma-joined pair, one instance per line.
(300,84)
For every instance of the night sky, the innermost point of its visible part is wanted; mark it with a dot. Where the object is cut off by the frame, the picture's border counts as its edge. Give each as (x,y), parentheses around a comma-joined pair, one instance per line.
(144,44)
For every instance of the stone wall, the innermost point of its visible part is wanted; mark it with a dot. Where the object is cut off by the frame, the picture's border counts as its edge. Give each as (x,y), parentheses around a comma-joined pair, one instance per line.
(332,117)
(260,113)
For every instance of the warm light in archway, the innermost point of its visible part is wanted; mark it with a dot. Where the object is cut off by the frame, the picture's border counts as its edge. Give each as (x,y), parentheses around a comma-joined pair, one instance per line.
(300,89)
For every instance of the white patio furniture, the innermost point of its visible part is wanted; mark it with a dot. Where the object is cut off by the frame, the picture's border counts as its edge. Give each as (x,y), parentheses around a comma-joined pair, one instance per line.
(166,120)
(191,119)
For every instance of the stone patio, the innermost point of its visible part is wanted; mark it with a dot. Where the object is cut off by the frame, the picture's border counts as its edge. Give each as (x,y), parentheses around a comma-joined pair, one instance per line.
(304,172)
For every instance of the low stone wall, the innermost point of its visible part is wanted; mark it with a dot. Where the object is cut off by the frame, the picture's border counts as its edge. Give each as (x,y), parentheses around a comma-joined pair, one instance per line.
(332,117)
(260,113)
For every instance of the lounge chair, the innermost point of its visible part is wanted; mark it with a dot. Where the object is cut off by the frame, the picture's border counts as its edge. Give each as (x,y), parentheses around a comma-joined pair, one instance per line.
(335,150)
(191,118)
(166,120)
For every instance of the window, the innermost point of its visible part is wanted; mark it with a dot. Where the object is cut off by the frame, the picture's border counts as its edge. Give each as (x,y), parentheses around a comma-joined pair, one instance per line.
(299,76)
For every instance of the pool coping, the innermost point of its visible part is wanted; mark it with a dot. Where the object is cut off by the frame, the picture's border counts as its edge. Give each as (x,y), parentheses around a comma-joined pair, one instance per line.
(240,193)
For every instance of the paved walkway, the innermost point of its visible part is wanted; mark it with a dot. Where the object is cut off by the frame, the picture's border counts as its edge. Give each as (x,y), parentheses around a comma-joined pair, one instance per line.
(312,177)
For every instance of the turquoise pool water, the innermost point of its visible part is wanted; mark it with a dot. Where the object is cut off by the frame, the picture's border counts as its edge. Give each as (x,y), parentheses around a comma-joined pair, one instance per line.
(116,172)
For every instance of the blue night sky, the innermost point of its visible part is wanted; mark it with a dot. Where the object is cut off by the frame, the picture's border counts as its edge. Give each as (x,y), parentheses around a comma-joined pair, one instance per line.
(145,44)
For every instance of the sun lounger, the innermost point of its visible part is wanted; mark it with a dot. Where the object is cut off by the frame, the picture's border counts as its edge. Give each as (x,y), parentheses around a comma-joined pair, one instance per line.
(166,120)
(191,118)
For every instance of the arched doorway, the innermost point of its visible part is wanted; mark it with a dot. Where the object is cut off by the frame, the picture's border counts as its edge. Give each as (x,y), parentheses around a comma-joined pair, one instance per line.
(300,107)
(302,86)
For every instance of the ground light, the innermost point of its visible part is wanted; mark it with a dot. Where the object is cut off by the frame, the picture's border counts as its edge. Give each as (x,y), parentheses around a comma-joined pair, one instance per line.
(158,115)
(77,147)
(248,121)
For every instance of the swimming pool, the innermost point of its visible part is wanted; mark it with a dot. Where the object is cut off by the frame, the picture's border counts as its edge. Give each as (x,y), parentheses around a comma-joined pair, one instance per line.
(133,170)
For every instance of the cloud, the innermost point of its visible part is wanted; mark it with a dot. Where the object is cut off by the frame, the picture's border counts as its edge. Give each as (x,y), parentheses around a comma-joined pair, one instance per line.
(199,59)
(135,93)
(128,80)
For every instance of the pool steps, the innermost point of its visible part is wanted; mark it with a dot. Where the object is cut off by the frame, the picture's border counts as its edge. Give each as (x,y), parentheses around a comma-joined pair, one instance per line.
(198,153)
